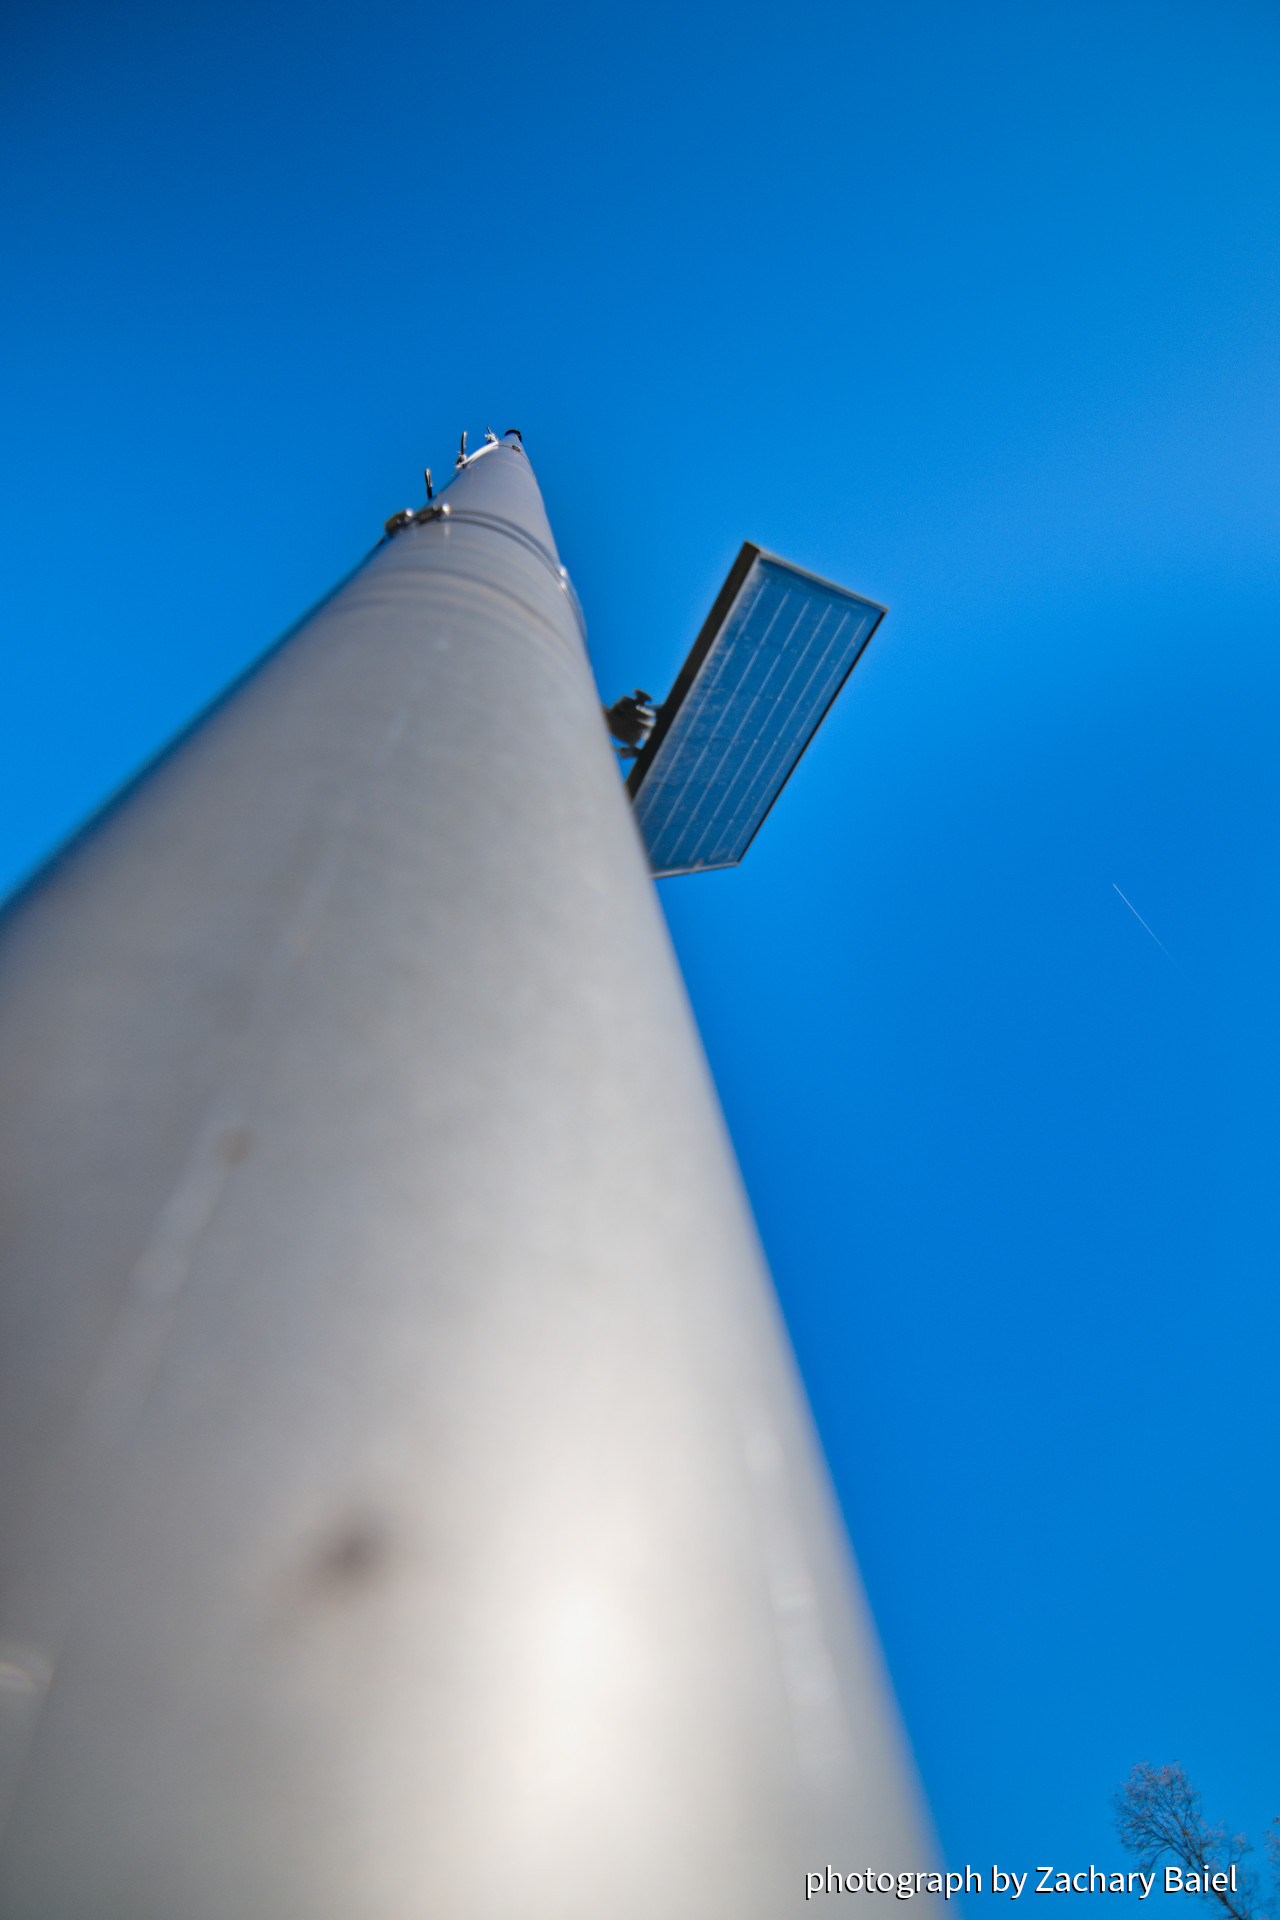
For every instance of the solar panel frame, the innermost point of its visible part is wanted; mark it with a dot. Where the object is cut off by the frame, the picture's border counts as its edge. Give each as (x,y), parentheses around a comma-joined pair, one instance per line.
(715,625)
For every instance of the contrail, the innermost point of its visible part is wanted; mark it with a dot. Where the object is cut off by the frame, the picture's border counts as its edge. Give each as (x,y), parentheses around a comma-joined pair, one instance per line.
(1142,923)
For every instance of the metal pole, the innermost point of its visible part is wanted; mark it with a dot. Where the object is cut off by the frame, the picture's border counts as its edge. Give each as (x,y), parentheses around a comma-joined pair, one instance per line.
(413,1508)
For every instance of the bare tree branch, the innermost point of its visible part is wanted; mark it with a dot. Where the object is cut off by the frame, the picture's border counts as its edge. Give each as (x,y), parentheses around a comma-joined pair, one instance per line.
(1158,1813)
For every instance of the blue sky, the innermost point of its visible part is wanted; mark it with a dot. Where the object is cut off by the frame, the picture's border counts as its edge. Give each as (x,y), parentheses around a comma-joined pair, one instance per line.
(973,308)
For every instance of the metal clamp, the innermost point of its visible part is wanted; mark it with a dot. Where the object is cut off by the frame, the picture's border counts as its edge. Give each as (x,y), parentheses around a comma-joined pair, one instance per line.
(444,511)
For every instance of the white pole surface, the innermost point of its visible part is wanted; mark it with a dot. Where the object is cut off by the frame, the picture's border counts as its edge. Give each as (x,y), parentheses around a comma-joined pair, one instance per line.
(411,1507)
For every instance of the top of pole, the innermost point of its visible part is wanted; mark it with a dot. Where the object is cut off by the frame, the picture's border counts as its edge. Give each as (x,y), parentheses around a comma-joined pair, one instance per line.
(498,479)
(494,488)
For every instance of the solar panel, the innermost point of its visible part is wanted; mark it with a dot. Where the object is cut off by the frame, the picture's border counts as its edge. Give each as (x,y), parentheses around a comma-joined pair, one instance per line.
(777,647)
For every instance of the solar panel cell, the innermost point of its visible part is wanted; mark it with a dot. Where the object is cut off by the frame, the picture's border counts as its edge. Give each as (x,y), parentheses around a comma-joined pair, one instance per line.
(777,648)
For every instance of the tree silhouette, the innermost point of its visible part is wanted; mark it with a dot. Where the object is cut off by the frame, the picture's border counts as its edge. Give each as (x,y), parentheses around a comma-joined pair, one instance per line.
(1158,1816)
